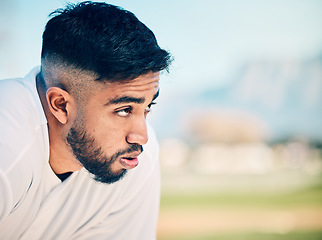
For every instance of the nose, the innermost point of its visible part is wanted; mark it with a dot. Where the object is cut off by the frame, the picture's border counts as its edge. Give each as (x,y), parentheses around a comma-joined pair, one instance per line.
(138,134)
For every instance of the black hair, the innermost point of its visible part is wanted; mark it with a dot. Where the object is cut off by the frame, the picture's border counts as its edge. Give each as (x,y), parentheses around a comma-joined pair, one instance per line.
(105,39)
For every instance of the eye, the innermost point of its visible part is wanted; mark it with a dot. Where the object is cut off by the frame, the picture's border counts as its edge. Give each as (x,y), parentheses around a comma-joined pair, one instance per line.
(148,108)
(124,112)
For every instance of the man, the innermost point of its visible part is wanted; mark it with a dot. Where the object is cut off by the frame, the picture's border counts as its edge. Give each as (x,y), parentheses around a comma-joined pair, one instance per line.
(72,165)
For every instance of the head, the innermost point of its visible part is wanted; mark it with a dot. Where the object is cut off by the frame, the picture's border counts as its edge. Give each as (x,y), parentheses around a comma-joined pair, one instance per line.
(100,71)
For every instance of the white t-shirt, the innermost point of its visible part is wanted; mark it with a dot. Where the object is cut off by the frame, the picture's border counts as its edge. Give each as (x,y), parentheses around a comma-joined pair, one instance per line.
(35,204)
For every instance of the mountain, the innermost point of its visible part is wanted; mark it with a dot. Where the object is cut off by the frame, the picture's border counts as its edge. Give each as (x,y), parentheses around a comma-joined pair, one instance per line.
(284,97)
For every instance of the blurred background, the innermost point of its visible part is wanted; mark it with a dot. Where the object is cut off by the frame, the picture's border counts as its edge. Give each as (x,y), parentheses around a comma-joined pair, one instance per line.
(239,117)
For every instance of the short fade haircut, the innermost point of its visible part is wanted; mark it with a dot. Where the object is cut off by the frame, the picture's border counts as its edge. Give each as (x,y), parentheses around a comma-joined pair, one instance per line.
(104,39)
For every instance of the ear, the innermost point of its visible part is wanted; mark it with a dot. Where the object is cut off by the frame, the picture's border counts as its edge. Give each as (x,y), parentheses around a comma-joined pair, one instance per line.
(59,103)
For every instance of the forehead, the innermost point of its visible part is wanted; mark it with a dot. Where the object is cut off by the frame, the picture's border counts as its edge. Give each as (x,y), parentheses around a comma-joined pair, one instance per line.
(144,86)
(146,82)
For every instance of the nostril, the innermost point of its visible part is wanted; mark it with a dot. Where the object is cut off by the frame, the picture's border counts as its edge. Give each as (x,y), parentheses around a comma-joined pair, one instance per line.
(135,138)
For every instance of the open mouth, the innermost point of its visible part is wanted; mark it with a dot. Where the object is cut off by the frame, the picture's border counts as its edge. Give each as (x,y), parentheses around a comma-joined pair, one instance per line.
(129,162)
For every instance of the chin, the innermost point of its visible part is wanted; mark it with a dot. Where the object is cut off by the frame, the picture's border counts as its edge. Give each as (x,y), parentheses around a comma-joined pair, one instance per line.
(109,178)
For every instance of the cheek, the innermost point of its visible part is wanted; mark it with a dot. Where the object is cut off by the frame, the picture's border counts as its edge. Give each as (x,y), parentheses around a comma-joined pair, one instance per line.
(108,131)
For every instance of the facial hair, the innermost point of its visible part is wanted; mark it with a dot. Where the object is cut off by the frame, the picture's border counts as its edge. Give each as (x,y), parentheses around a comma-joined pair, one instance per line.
(93,159)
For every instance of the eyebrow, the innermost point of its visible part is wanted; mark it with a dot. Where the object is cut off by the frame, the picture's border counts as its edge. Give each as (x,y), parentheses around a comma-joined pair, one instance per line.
(129,99)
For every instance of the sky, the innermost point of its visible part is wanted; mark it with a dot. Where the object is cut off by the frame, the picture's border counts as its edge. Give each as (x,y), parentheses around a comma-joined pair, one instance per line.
(208,39)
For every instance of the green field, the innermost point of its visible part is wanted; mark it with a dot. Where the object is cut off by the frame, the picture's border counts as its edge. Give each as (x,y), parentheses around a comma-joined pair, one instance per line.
(242,215)
(311,196)
(310,235)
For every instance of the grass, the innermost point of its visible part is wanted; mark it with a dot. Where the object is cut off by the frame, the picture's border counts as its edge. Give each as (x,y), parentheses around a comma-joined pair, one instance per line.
(307,235)
(215,200)
(178,202)
(309,196)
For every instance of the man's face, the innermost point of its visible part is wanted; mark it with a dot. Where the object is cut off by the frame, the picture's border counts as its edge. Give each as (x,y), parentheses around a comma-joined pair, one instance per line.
(108,134)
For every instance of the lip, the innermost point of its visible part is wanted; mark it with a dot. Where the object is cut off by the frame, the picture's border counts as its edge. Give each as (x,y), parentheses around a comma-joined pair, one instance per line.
(129,163)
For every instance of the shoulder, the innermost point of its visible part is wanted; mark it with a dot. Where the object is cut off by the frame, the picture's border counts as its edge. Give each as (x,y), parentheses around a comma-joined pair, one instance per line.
(17,101)
(22,134)
(18,96)
(19,118)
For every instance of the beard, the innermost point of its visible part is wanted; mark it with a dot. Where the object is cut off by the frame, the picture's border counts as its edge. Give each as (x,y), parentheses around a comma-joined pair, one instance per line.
(93,159)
